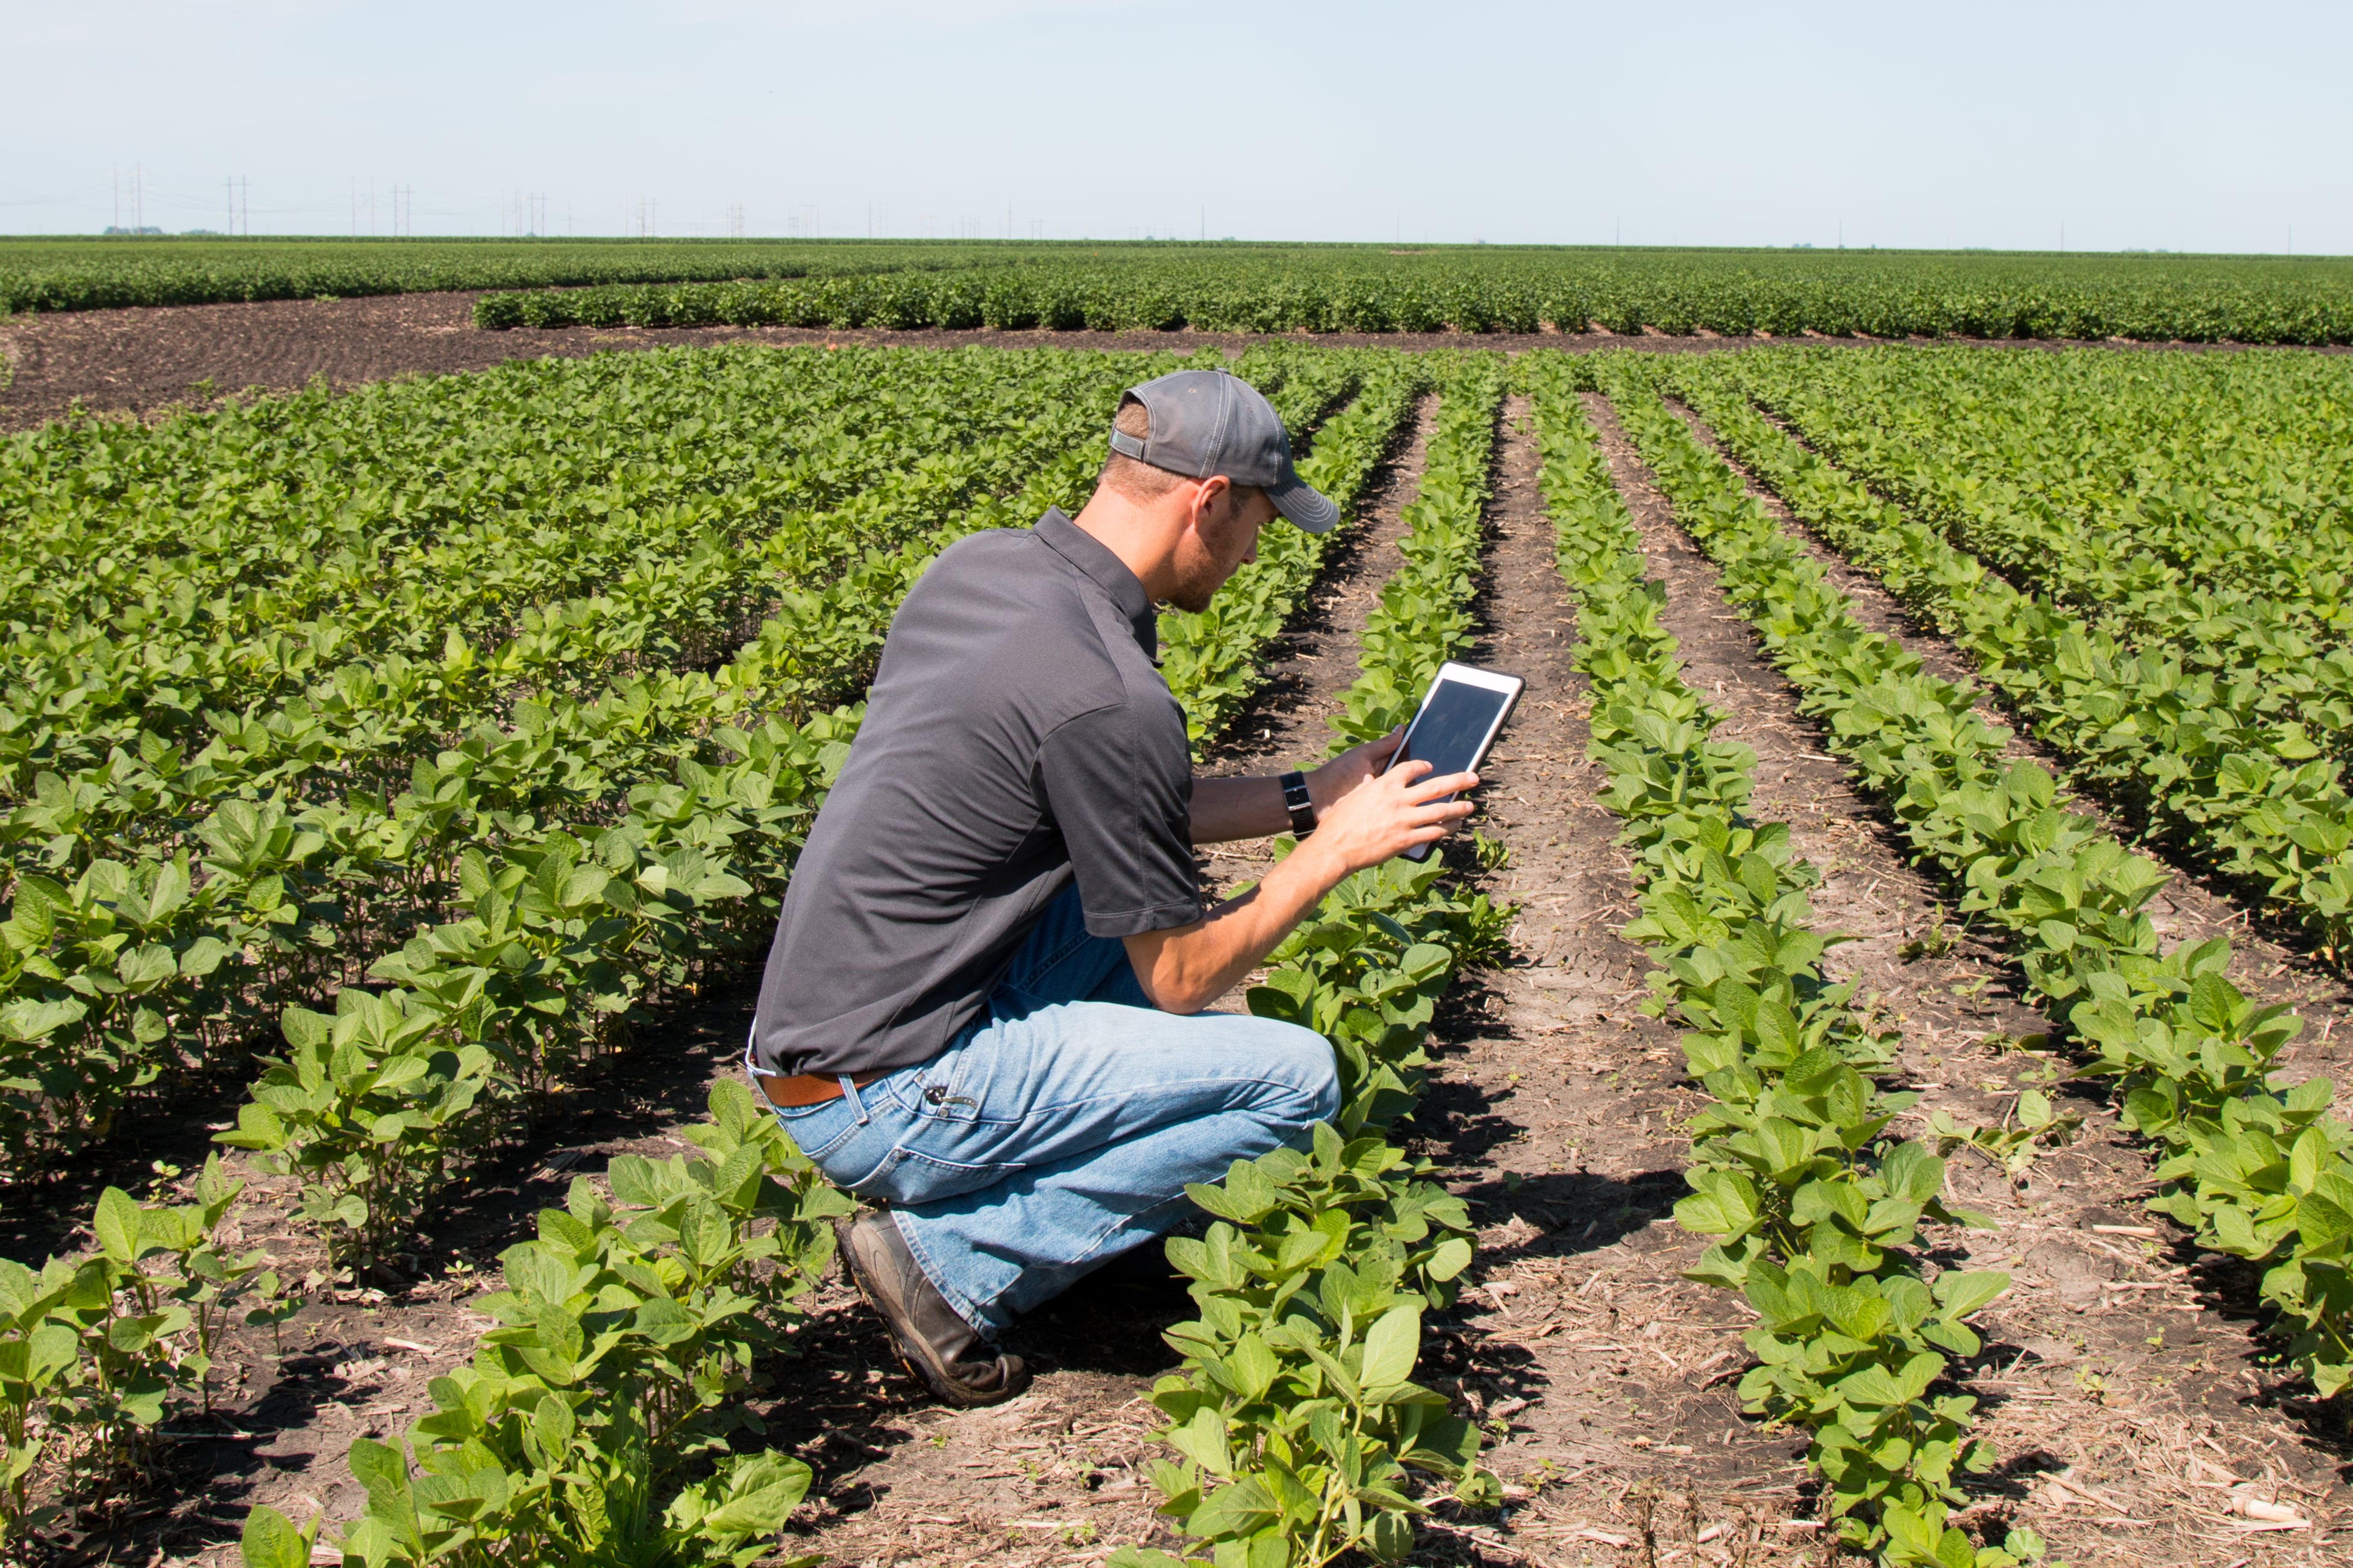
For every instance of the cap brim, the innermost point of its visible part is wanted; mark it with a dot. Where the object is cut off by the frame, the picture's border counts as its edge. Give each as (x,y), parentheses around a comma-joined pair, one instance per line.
(1304,506)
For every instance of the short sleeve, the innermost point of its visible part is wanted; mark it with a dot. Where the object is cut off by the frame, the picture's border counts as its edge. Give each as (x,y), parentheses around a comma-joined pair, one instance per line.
(1120,788)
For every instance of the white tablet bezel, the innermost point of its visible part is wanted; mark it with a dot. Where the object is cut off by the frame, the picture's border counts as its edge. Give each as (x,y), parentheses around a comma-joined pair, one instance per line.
(1468,675)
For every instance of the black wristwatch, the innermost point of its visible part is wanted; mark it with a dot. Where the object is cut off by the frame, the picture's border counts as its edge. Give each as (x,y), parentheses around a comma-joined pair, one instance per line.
(1295,799)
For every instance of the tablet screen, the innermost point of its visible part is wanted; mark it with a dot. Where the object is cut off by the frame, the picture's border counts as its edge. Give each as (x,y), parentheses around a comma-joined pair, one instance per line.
(1448,732)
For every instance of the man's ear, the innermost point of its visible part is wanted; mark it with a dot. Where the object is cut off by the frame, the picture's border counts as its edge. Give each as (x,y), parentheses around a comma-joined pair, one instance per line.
(1214,496)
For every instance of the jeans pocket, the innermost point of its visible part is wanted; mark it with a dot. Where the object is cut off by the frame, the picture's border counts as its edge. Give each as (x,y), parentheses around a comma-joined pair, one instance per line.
(911,1177)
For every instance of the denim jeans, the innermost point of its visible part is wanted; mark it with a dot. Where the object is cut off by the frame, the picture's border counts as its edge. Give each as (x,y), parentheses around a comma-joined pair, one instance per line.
(1060,1131)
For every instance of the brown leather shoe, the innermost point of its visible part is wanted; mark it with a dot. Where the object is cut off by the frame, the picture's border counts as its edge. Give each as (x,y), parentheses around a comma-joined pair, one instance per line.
(932,1339)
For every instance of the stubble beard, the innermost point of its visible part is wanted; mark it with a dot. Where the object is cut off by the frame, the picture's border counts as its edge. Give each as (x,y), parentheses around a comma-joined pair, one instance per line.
(1200,575)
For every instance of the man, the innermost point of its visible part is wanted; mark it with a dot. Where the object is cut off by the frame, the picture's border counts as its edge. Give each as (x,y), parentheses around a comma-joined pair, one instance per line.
(984,1004)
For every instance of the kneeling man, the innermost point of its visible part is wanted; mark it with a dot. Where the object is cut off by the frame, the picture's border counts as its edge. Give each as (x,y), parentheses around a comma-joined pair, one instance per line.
(985,1003)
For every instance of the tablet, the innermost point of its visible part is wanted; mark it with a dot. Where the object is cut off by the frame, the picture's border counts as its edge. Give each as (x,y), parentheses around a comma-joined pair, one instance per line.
(1459,717)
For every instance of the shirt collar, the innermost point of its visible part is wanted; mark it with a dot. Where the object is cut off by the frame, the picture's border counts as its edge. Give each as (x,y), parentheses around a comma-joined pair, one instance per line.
(1093,557)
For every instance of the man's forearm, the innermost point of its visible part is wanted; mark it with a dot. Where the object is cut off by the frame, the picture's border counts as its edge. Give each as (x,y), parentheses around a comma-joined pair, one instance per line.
(1226,809)
(1230,808)
(1185,969)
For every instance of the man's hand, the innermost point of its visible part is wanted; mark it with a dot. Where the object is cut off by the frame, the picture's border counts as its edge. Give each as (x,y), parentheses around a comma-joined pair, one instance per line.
(1367,819)
(1337,779)
(1383,817)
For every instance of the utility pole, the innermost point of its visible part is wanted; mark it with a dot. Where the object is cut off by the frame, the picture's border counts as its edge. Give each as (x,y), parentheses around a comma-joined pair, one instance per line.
(138,197)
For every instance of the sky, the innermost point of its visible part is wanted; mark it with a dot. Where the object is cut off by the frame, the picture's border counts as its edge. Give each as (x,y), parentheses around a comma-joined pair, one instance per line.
(2220,127)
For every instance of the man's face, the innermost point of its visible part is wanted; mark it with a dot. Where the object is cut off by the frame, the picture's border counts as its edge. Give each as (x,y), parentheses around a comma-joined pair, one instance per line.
(1224,535)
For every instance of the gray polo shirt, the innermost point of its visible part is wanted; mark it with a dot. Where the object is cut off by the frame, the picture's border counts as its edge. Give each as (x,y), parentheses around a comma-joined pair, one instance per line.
(1017,735)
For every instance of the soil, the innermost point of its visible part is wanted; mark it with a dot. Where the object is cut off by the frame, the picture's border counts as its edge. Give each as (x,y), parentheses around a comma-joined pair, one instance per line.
(2122,1385)
(148,361)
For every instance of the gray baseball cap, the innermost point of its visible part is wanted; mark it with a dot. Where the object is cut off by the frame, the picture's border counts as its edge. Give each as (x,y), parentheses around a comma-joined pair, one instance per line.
(1208,422)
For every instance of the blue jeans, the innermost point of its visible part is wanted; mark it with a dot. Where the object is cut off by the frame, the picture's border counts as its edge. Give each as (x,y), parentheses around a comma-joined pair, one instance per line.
(1059,1132)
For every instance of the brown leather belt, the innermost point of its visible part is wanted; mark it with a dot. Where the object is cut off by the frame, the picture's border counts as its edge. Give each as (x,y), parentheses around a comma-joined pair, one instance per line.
(808,1088)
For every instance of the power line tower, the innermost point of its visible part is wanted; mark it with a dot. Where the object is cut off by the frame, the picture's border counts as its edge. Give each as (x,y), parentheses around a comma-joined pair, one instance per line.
(734,220)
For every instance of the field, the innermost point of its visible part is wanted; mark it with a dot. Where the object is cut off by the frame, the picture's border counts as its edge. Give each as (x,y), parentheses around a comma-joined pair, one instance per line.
(1865,1093)
(61,274)
(1089,285)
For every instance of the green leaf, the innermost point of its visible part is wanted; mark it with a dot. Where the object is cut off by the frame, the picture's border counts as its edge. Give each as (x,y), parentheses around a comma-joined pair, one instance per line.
(118,1224)
(1203,1441)
(1392,1347)
(270,1541)
(1449,1258)
(1237,1509)
(1960,1293)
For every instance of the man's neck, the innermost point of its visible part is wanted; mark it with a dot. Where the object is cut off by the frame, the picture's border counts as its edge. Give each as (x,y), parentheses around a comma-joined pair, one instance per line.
(1138,535)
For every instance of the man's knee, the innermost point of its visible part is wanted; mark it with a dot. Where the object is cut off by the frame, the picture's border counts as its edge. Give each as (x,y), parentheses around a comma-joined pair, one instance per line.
(1300,1062)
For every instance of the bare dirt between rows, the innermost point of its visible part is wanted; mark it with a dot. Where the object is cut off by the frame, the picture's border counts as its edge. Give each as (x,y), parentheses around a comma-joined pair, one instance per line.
(149,360)
(2119,1362)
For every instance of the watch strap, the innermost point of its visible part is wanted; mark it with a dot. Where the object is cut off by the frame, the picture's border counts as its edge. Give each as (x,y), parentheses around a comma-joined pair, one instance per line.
(1296,801)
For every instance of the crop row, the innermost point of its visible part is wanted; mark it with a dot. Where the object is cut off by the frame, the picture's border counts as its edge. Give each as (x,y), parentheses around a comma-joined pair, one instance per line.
(643,878)
(2157,537)
(2096,476)
(593,1423)
(1812,1211)
(2257,1166)
(2228,758)
(1728,293)
(122,270)
(1296,1416)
